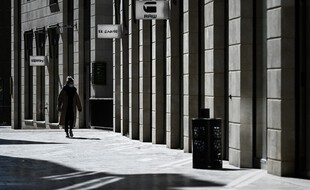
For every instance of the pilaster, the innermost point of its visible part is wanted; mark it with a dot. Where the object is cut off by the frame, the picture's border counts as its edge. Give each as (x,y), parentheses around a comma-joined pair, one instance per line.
(280,87)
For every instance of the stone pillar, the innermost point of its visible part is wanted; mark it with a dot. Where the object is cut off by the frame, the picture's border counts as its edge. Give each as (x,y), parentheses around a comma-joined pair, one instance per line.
(158,82)
(240,82)
(116,73)
(173,119)
(15,64)
(133,35)
(124,69)
(78,61)
(116,87)
(190,69)
(214,84)
(16,115)
(83,55)
(281,87)
(145,81)
(214,62)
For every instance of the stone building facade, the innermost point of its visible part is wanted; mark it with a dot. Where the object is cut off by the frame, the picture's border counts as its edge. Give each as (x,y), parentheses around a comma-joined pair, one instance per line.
(245,60)
(65,32)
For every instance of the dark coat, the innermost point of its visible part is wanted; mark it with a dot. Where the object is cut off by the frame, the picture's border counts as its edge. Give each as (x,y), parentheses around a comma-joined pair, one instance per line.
(63,103)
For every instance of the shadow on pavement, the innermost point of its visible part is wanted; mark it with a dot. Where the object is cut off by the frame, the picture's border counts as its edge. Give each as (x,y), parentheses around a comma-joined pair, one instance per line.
(12,142)
(22,173)
(84,138)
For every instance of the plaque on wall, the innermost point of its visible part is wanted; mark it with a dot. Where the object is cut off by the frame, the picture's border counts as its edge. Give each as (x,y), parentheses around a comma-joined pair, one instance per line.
(109,31)
(99,72)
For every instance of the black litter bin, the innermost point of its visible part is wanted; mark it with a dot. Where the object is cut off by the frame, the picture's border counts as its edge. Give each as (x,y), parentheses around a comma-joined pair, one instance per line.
(207,143)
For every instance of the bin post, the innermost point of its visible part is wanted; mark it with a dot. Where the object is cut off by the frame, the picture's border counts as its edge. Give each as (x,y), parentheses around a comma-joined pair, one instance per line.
(204,113)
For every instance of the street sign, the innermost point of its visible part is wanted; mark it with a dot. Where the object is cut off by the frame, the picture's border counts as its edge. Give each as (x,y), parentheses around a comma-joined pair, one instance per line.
(109,31)
(38,61)
(149,10)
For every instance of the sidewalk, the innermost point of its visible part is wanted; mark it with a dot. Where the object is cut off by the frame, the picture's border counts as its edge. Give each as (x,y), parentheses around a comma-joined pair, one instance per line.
(97,159)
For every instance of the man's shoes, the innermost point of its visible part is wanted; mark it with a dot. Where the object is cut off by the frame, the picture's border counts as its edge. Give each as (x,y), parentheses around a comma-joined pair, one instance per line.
(71,134)
(67,134)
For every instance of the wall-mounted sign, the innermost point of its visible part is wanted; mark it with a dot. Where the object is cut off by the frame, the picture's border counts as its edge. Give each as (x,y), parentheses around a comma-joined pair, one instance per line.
(109,31)
(38,61)
(149,10)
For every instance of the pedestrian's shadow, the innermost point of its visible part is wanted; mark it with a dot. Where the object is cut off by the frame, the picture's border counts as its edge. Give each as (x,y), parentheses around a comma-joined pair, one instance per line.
(84,138)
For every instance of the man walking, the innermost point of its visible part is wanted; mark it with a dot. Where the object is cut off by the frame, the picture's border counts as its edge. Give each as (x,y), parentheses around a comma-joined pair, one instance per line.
(68,101)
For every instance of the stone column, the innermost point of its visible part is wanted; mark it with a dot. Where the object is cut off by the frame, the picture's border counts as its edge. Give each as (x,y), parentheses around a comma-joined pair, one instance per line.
(173,119)
(124,69)
(15,65)
(83,55)
(158,85)
(145,81)
(190,69)
(116,74)
(214,84)
(133,35)
(78,61)
(214,63)
(240,82)
(281,87)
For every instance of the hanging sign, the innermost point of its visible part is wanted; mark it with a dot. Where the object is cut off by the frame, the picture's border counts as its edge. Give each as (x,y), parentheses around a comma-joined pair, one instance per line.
(109,31)
(149,10)
(38,61)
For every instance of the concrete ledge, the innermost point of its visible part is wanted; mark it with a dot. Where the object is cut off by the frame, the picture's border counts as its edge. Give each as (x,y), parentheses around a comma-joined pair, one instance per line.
(29,124)
(101,127)
(40,124)
(54,125)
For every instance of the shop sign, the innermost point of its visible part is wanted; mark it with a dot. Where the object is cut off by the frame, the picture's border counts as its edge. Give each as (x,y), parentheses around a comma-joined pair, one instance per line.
(109,31)
(38,61)
(149,10)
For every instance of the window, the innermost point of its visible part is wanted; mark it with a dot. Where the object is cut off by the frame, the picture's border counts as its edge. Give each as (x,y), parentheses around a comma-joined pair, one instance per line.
(40,37)
(53,2)
(54,6)
(28,51)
